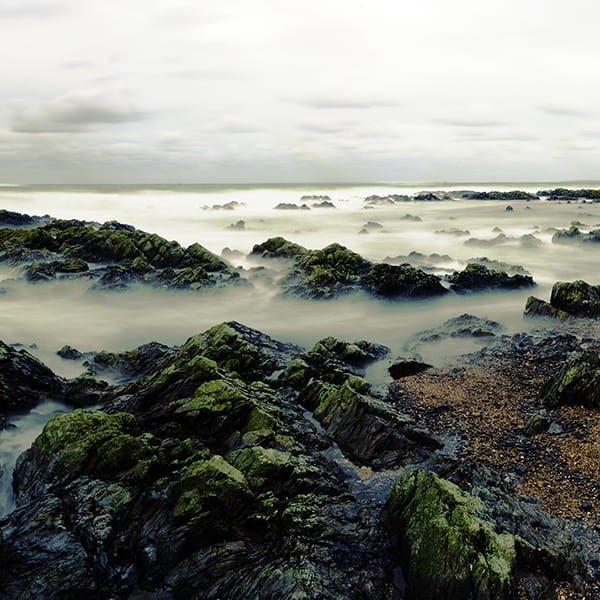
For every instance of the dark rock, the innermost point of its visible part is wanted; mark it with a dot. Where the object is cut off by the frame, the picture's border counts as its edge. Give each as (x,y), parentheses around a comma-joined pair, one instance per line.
(537,423)
(509,208)
(324,204)
(512,195)
(530,241)
(500,239)
(407,367)
(577,298)
(408,217)
(479,277)
(401,281)
(498,265)
(578,382)
(454,231)
(24,381)
(69,353)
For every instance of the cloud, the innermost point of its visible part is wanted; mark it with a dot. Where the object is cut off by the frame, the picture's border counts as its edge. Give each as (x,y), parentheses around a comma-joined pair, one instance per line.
(233,125)
(564,111)
(471,122)
(27,10)
(351,102)
(77,112)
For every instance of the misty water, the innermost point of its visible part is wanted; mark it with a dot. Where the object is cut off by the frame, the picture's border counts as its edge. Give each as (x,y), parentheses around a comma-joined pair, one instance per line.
(52,314)
(17,437)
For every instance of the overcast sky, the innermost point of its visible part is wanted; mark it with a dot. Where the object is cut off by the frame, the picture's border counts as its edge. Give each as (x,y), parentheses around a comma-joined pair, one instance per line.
(281,90)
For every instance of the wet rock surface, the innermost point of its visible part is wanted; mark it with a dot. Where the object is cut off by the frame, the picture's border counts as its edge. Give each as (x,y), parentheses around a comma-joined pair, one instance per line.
(242,466)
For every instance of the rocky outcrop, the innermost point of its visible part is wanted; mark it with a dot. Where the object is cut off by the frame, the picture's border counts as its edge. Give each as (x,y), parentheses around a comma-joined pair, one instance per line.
(113,255)
(479,277)
(244,467)
(568,299)
(574,234)
(335,270)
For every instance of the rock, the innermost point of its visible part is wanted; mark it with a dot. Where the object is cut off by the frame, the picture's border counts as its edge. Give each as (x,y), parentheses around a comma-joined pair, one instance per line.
(24,381)
(237,226)
(372,226)
(230,255)
(277,247)
(366,428)
(564,194)
(500,239)
(291,206)
(498,265)
(315,198)
(232,205)
(537,423)
(509,208)
(578,382)
(132,364)
(69,353)
(428,197)
(530,241)
(512,195)
(388,200)
(454,231)
(126,255)
(465,325)
(535,307)
(573,234)
(446,546)
(335,270)
(408,217)
(478,277)
(577,298)
(407,367)
(400,281)
(324,204)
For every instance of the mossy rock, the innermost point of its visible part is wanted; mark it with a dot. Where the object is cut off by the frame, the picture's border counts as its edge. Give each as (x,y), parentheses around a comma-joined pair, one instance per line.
(401,281)
(577,382)
(95,442)
(212,495)
(296,375)
(534,307)
(445,546)
(478,277)
(263,466)
(277,247)
(577,298)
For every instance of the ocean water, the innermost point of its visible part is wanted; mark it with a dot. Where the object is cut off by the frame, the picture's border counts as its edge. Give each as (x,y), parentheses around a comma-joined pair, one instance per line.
(53,314)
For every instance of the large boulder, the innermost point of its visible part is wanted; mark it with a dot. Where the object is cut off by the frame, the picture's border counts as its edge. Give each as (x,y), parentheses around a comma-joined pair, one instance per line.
(577,298)
(447,548)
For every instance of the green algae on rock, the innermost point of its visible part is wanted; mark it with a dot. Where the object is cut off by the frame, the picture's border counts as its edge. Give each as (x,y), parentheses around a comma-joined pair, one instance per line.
(447,549)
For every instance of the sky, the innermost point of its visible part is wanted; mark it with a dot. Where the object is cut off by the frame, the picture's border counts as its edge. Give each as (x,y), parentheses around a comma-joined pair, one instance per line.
(284,91)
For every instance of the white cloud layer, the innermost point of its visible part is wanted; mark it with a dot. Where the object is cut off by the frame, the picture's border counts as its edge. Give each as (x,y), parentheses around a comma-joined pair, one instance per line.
(288,91)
